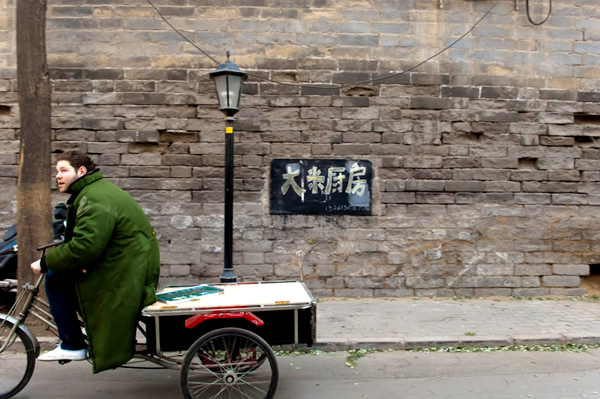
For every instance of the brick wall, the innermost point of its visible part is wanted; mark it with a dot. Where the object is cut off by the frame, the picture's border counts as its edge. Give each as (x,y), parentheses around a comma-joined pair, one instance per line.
(486,159)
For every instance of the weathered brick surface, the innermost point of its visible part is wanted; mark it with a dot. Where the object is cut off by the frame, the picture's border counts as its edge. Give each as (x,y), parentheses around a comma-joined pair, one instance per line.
(486,159)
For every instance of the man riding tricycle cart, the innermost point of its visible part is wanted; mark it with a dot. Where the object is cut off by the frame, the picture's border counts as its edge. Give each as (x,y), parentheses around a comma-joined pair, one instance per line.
(104,276)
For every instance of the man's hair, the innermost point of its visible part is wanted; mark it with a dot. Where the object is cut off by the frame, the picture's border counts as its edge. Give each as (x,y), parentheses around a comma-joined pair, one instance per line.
(77,160)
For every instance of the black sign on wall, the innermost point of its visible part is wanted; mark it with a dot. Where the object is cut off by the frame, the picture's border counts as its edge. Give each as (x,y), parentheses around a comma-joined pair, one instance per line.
(321,187)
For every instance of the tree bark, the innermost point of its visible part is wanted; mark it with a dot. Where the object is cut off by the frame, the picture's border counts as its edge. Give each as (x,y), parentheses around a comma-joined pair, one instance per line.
(34,202)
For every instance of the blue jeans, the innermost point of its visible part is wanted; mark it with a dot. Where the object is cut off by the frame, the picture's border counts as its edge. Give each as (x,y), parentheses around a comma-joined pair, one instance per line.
(64,306)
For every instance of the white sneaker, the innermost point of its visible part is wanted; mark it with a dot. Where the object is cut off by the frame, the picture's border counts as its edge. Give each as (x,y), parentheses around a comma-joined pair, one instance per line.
(63,354)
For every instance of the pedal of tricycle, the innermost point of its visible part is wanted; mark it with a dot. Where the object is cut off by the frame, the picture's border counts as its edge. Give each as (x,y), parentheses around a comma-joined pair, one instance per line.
(64,361)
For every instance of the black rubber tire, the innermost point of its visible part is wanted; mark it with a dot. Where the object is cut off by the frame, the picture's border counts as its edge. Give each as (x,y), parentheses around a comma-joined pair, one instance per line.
(10,389)
(230,342)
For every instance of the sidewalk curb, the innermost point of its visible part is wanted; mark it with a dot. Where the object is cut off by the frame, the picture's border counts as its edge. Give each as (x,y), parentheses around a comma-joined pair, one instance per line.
(399,343)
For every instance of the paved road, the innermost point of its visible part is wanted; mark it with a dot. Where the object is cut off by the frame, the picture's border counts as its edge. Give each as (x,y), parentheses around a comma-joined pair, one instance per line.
(409,375)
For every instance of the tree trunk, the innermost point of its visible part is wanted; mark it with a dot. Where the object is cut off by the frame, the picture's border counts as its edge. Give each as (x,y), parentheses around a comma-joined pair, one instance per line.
(34,203)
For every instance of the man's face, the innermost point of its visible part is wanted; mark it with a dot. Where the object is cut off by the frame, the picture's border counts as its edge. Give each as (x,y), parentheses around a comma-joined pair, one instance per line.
(66,174)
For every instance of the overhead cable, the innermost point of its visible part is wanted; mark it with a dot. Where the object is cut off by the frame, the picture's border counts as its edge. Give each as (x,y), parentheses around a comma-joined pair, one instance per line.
(332,86)
(529,14)
(180,34)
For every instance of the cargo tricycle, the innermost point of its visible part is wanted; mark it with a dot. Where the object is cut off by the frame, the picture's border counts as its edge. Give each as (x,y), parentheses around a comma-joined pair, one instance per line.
(221,343)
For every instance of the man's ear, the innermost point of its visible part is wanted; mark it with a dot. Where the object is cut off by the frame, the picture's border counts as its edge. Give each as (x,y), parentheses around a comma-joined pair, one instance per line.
(81,171)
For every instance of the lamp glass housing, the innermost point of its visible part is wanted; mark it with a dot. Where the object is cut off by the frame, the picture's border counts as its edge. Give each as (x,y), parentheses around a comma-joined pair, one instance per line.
(229,80)
(229,90)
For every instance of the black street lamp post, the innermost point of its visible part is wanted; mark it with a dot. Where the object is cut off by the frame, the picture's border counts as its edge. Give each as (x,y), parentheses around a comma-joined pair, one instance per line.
(229,80)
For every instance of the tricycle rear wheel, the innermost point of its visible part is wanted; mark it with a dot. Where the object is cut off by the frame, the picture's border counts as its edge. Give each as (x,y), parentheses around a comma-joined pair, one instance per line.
(229,363)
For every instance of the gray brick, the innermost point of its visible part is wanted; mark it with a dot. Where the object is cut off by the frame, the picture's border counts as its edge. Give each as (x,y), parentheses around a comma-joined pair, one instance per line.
(460,162)
(71,11)
(365,137)
(392,78)
(107,148)
(102,124)
(422,162)
(432,174)
(425,185)
(491,174)
(141,159)
(350,77)
(434,198)
(530,282)
(351,149)
(487,198)
(351,102)
(500,163)
(397,198)
(564,175)
(499,92)
(429,103)
(557,141)
(568,291)
(360,113)
(389,126)
(460,91)
(587,164)
(574,130)
(555,163)
(149,171)
(556,118)
(359,40)
(530,140)
(71,85)
(569,199)
(588,96)
(430,79)
(564,106)
(320,113)
(144,98)
(532,270)
(527,292)
(102,98)
(571,270)
(486,292)
(103,74)
(501,186)
(561,281)
(528,175)
(395,185)
(464,186)
(109,159)
(550,187)
(528,128)
(495,116)
(526,106)
(553,94)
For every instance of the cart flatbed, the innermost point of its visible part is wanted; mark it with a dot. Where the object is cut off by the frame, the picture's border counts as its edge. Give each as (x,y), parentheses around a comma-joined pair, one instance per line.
(281,312)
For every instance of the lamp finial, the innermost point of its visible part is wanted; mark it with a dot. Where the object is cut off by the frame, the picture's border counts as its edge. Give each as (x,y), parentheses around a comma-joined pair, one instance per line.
(228,54)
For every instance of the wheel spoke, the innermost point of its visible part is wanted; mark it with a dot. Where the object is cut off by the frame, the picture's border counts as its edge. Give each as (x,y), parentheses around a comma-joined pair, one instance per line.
(250,385)
(202,389)
(218,393)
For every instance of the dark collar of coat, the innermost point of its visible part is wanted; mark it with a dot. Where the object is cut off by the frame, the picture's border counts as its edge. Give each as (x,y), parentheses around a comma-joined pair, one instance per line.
(84,181)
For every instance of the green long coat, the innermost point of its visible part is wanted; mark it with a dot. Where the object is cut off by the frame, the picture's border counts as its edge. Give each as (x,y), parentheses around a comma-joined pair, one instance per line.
(111,253)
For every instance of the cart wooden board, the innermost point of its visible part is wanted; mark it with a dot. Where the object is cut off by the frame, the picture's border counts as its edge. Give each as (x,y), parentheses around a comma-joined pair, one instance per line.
(239,295)
(287,310)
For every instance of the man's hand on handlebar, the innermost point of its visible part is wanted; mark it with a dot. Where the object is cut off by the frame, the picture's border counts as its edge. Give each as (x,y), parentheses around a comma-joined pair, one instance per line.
(36,267)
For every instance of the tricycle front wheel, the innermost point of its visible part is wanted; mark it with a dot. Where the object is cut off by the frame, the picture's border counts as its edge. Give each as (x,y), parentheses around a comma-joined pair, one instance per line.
(229,363)
(17,359)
